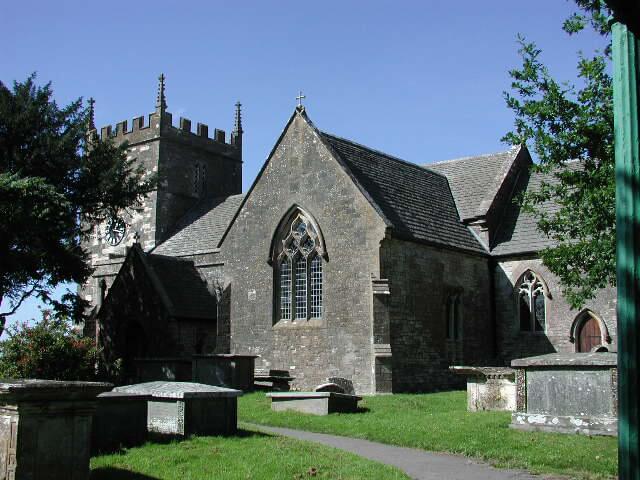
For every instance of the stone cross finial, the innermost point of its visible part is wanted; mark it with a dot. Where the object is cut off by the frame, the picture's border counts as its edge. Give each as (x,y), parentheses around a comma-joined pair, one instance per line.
(92,123)
(299,98)
(161,101)
(136,237)
(237,126)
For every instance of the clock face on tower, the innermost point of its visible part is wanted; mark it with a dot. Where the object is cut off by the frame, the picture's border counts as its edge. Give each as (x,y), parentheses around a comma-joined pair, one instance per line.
(115,231)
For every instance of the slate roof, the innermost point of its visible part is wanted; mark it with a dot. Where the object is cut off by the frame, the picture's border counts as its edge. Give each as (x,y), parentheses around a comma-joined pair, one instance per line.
(185,289)
(202,227)
(518,232)
(475,181)
(417,202)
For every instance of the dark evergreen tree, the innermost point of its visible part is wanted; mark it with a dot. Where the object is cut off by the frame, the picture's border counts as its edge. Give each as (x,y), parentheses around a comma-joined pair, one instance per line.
(57,180)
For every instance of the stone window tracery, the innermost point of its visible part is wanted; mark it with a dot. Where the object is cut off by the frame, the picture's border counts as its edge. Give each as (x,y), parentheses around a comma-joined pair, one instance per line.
(299,272)
(531,303)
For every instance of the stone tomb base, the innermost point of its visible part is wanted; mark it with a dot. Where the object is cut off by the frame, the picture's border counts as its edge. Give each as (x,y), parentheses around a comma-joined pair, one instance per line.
(225,370)
(120,420)
(596,425)
(45,428)
(489,388)
(567,393)
(316,403)
(186,408)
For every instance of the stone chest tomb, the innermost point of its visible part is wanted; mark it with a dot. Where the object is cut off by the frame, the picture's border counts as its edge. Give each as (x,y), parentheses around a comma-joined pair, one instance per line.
(489,388)
(186,408)
(569,393)
(45,428)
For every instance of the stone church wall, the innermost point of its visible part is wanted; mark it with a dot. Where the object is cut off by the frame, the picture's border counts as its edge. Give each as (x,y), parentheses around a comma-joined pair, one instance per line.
(302,172)
(512,343)
(421,279)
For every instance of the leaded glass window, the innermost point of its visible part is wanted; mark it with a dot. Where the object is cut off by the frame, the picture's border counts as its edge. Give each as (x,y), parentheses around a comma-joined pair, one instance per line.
(531,303)
(301,288)
(285,288)
(299,272)
(316,287)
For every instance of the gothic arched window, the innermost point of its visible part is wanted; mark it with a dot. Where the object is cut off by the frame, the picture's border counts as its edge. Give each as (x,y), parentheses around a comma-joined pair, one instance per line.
(298,271)
(453,327)
(531,303)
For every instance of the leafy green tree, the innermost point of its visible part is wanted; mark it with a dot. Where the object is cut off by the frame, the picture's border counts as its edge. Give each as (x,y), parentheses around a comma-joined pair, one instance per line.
(571,121)
(56,182)
(48,350)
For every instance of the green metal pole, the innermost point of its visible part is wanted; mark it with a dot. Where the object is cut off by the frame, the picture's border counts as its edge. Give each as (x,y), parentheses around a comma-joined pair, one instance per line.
(626,50)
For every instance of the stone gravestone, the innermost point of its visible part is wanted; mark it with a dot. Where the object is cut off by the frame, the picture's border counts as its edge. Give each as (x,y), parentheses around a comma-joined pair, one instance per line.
(45,428)
(186,408)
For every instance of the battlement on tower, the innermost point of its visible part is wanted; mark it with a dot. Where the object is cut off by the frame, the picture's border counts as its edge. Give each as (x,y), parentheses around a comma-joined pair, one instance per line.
(146,128)
(159,125)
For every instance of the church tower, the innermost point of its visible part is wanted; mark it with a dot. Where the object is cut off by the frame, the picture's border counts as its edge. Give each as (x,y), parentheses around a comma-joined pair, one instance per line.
(191,167)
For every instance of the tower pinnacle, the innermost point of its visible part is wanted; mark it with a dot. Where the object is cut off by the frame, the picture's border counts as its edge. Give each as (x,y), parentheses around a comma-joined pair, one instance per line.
(237,126)
(161,101)
(92,120)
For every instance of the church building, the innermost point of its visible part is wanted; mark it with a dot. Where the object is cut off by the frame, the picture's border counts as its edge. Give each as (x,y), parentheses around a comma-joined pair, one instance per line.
(339,261)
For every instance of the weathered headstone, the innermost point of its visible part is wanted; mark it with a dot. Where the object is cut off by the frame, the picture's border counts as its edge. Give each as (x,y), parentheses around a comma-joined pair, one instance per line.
(347,385)
(187,408)
(567,393)
(45,428)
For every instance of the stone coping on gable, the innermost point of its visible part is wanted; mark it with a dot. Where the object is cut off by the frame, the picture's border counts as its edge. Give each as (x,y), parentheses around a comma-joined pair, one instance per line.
(179,390)
(594,359)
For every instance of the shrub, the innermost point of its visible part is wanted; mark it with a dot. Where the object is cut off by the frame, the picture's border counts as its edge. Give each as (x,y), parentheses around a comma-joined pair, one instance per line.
(47,350)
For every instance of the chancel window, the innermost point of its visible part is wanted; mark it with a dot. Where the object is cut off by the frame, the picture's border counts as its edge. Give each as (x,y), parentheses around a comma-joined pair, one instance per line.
(531,303)
(453,329)
(454,319)
(299,271)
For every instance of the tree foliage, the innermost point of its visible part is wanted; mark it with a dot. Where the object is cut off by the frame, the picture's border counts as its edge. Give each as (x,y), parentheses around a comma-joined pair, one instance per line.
(48,350)
(56,182)
(571,128)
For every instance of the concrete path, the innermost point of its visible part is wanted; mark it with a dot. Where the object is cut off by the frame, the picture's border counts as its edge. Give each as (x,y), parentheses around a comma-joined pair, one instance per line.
(418,464)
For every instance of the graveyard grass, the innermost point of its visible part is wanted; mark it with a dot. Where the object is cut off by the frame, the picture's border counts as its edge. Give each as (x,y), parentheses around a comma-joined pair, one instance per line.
(440,422)
(248,455)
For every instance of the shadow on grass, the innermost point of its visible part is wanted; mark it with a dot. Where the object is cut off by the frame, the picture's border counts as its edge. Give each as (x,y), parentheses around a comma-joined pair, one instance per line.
(111,473)
(362,410)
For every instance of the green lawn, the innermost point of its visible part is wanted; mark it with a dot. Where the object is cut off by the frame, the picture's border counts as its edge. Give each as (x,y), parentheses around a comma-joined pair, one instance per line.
(440,422)
(251,455)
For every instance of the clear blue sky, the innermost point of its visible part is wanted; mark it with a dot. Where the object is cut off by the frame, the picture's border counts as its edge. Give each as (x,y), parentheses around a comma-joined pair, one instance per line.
(422,80)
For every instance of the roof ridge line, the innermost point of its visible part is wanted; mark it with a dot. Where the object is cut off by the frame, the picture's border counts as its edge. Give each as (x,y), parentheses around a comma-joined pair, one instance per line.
(380,152)
(468,157)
